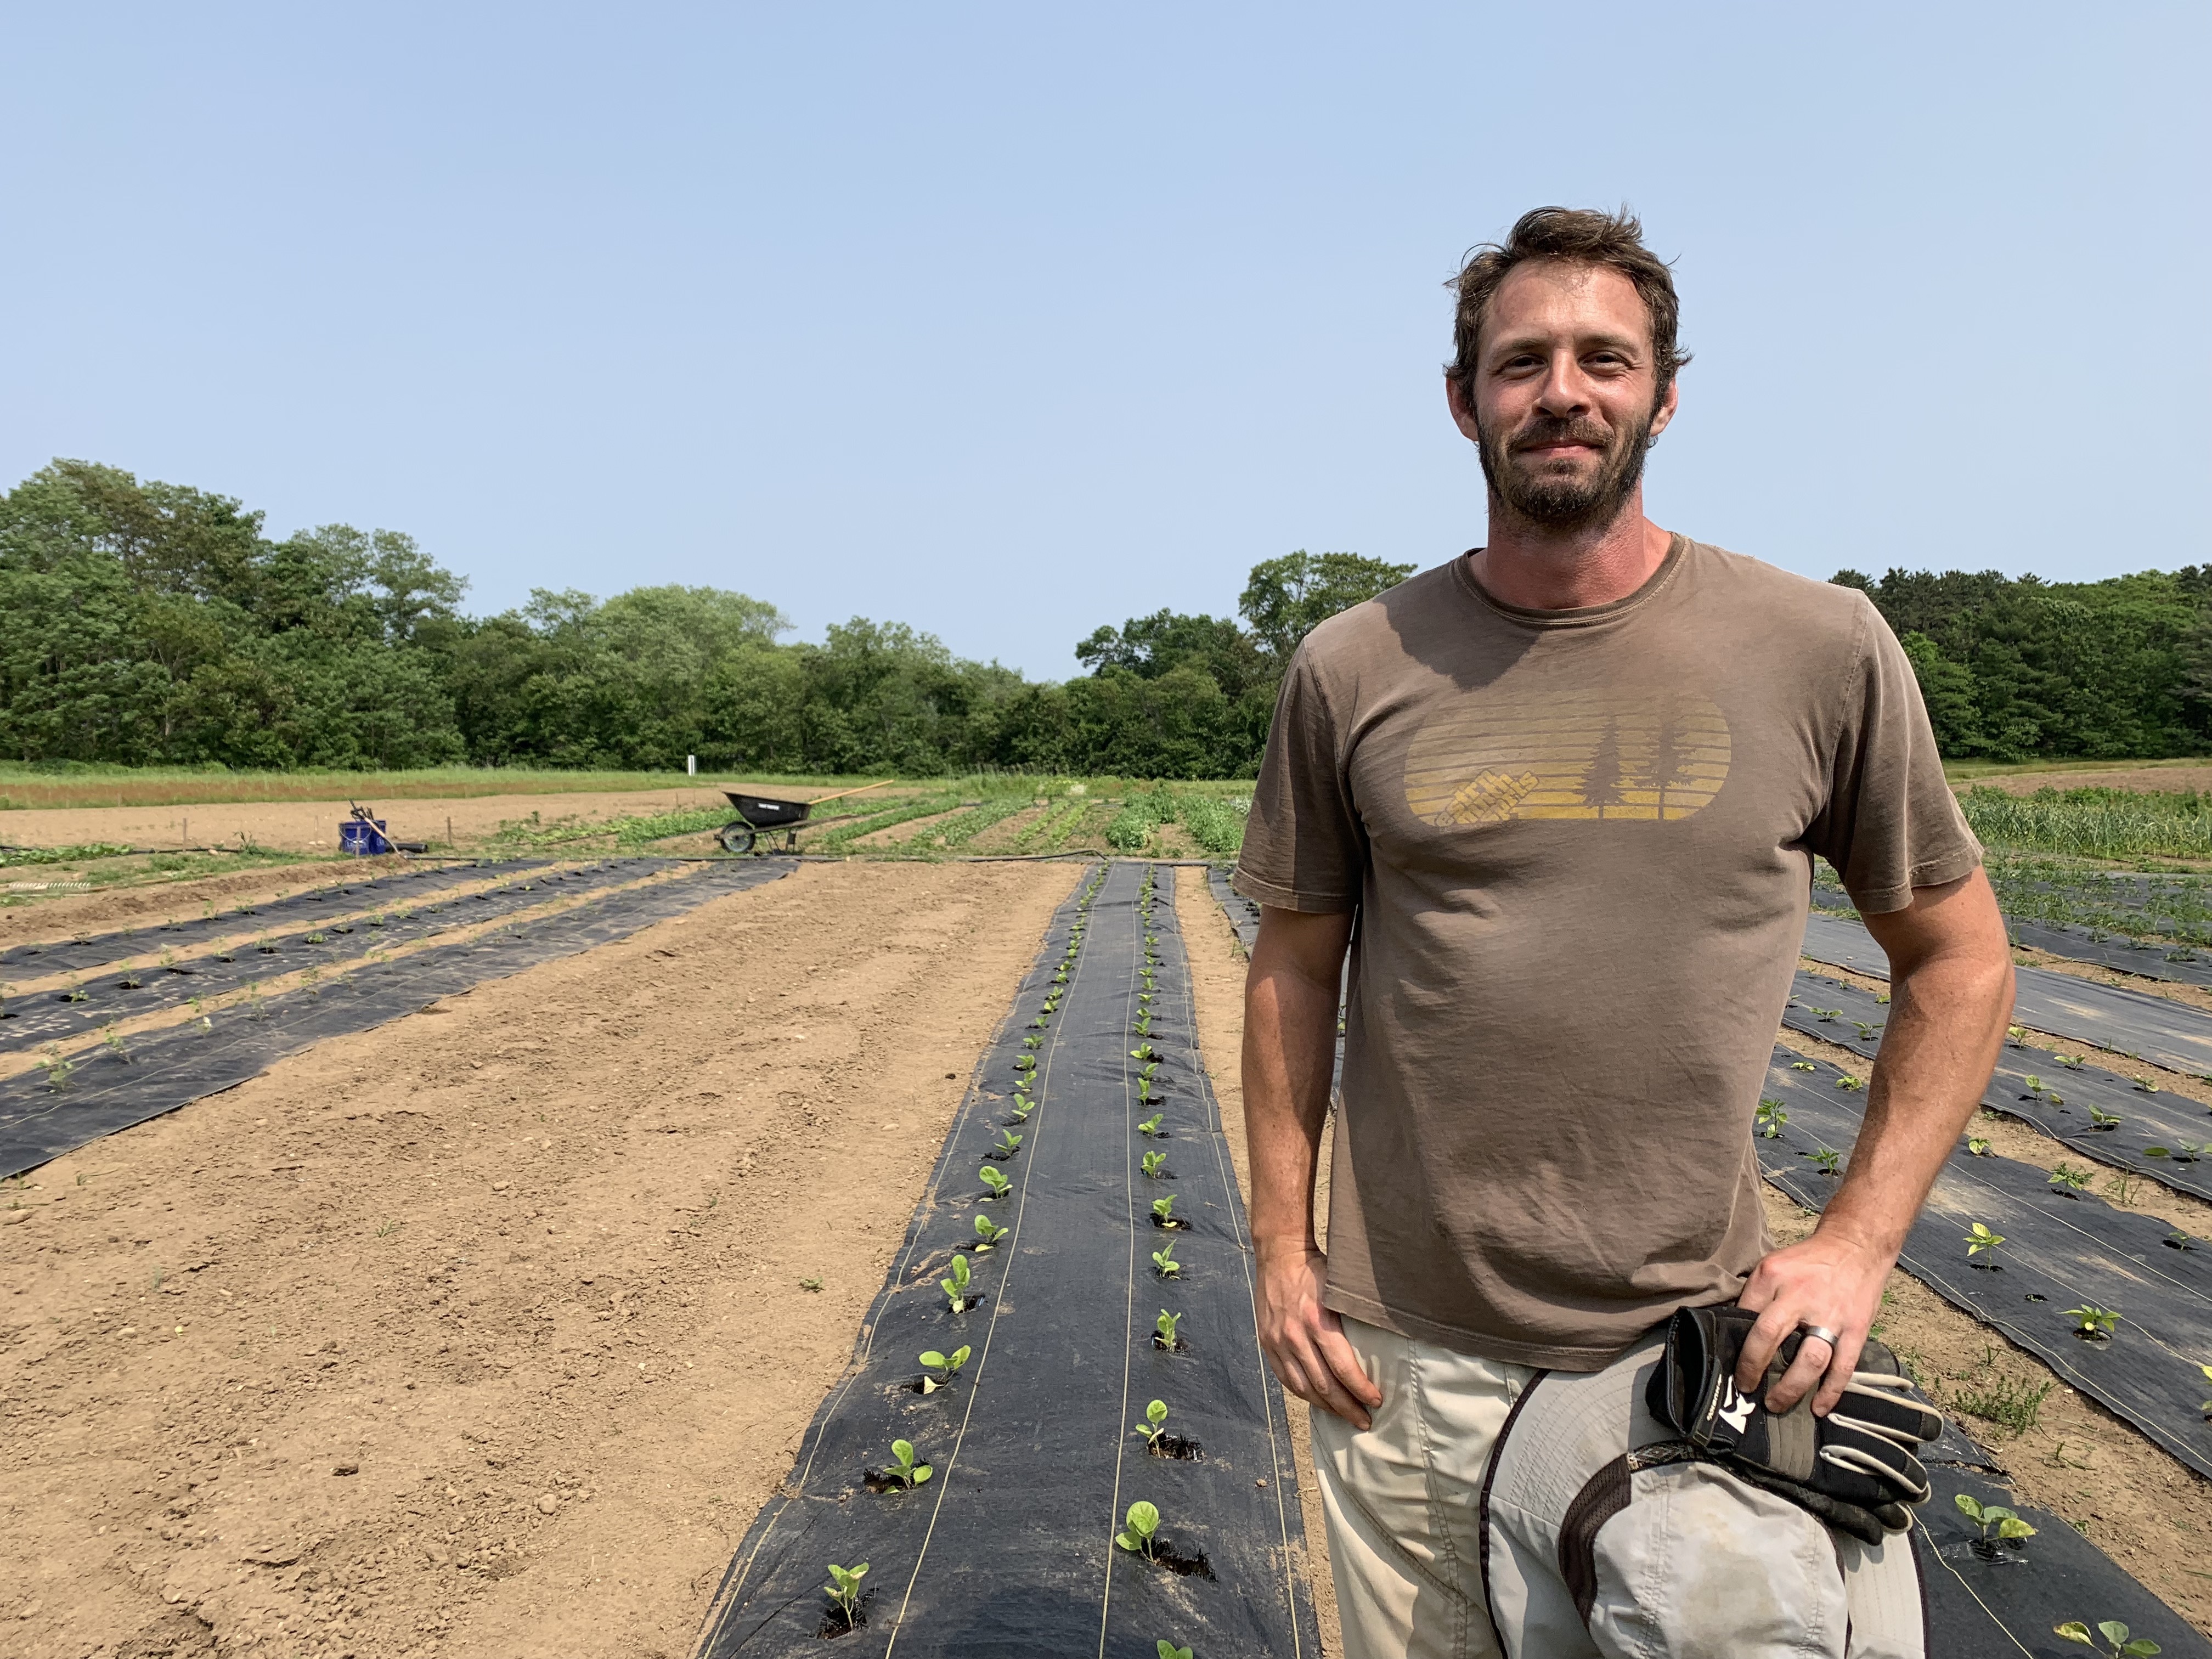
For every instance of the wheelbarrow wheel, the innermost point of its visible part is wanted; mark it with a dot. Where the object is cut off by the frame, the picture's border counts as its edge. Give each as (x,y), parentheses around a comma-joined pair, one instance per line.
(737,837)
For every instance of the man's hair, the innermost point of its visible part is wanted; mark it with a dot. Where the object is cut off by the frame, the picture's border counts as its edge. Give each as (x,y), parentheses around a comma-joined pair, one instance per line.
(1585,237)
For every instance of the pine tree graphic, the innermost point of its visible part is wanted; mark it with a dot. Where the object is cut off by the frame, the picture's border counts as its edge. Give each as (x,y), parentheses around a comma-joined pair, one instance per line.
(1667,755)
(1602,779)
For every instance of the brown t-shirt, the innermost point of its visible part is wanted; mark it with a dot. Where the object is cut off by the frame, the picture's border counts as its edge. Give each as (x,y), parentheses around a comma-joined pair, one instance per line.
(1580,844)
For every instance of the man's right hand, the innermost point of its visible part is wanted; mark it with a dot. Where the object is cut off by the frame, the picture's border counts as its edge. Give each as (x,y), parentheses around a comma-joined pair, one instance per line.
(1303,1341)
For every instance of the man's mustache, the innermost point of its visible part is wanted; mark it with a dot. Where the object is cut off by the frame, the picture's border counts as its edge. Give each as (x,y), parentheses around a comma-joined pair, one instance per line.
(1542,434)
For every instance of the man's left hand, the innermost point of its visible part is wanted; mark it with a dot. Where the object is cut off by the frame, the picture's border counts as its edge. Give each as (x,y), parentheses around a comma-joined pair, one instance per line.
(1830,1280)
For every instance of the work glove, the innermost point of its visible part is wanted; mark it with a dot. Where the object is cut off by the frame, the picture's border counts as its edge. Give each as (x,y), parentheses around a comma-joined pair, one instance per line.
(1854,1469)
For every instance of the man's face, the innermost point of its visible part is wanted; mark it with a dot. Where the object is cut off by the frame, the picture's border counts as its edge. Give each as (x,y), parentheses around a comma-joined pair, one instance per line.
(1563,393)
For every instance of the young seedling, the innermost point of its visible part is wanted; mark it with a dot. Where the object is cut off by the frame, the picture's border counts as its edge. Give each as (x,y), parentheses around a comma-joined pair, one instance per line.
(1163,1211)
(1826,1160)
(2114,1632)
(1154,1425)
(1009,1142)
(2182,1151)
(1163,1333)
(2104,1120)
(2206,1407)
(2067,1179)
(810,1284)
(2035,1085)
(1139,1526)
(1142,1051)
(2148,1085)
(1143,1027)
(1847,1081)
(1025,1062)
(1977,1146)
(1802,1066)
(1828,1016)
(946,1367)
(76,993)
(1029,1043)
(113,1043)
(131,982)
(987,1232)
(955,1288)
(2016,1035)
(1166,1649)
(1023,1107)
(904,1471)
(1771,1117)
(844,1590)
(58,1069)
(1164,1262)
(2093,1323)
(1865,1031)
(1154,1162)
(992,1178)
(2010,1526)
(1151,1126)
(1980,1239)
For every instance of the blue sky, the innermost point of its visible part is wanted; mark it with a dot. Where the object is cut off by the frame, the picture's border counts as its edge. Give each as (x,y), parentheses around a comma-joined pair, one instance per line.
(1009,320)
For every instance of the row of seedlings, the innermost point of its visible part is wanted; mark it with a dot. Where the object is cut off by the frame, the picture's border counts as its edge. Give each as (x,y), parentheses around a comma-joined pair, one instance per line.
(1140,1526)
(905,1472)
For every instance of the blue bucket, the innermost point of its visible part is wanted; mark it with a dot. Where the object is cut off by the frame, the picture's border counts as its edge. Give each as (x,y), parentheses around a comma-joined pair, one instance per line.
(363,838)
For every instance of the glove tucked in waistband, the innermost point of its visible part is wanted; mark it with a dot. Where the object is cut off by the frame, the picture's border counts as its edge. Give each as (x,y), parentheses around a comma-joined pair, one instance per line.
(1855,1467)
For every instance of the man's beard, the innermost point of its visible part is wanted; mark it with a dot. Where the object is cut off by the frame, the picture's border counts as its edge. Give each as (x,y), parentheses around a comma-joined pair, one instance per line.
(1566,503)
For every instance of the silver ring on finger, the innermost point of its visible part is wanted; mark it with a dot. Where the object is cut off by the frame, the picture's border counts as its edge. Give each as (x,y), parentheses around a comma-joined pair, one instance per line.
(1814,1333)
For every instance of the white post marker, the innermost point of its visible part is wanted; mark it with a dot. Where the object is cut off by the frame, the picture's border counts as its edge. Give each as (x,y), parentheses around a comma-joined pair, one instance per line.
(691,766)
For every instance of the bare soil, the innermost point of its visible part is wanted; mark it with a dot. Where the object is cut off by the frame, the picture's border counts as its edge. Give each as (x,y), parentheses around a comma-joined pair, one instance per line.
(1217,973)
(64,915)
(486,1332)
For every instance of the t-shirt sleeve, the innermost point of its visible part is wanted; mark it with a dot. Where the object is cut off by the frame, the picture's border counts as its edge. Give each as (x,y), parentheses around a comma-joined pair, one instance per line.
(1891,822)
(1304,847)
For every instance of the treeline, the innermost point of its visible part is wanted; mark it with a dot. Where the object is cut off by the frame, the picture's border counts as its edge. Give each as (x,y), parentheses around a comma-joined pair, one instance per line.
(152,623)
(2015,670)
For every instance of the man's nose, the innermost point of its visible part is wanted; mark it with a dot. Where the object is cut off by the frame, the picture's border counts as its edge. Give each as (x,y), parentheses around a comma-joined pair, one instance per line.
(1566,391)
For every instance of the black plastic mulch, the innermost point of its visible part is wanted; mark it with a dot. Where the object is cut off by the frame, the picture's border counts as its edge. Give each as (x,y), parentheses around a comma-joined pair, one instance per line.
(390,886)
(2180,965)
(415,912)
(171,1068)
(1008,1551)
(2062,1249)
(1242,913)
(2100,1114)
(2132,1023)
(2006,1603)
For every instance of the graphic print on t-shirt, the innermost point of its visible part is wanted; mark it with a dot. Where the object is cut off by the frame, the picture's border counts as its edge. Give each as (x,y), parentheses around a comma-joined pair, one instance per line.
(1610,755)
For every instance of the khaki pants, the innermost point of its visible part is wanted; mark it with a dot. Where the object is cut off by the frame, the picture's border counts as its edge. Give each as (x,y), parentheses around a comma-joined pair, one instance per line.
(1403,1543)
(1701,1567)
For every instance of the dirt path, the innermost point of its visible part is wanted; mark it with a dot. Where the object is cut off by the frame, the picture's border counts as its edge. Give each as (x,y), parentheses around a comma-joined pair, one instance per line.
(1217,974)
(485,1333)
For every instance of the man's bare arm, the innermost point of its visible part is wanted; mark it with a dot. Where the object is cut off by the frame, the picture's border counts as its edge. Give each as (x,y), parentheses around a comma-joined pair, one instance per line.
(1289,1052)
(1951,990)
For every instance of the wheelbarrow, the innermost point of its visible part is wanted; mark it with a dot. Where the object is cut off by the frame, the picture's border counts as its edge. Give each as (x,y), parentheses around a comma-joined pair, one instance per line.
(757,813)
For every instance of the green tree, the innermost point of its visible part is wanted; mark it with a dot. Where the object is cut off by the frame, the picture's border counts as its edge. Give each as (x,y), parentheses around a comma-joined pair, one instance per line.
(1286,599)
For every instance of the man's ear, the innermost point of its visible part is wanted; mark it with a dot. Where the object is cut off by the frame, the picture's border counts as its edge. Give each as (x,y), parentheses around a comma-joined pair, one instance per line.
(1462,413)
(1665,413)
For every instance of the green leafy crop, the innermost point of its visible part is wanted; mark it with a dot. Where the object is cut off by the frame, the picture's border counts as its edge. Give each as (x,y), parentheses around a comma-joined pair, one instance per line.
(1163,1261)
(1151,1126)
(989,1231)
(2093,1323)
(1154,1162)
(1139,1526)
(1165,1328)
(995,1178)
(956,1287)
(1772,1117)
(1154,1425)
(2008,1526)
(1163,1209)
(946,1367)
(1980,1238)
(904,1471)
(844,1589)
(2113,1631)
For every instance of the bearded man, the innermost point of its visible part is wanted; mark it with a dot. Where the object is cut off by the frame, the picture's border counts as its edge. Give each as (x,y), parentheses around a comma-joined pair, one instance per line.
(1570,785)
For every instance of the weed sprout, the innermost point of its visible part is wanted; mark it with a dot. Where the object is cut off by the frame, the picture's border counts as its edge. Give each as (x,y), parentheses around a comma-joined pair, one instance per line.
(2067,1179)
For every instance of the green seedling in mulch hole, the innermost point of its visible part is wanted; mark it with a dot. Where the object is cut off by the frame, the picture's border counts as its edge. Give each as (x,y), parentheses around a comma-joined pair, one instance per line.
(2069,1180)
(989,1231)
(1826,1160)
(1847,1081)
(1165,1264)
(131,982)
(2104,1120)
(1977,1146)
(1139,1527)
(58,1070)
(2016,1035)
(2147,1085)
(1164,1649)
(1030,1042)
(1021,1108)
(2182,1151)
(1796,1065)
(2114,1632)
(2206,1407)
(1828,1016)
(2178,1239)
(1164,1213)
(1771,1117)
(264,946)
(955,1288)
(1980,1240)
(844,1592)
(1151,1126)
(1009,1144)
(1163,1331)
(1154,1425)
(1143,1024)
(904,1474)
(1867,1032)
(1154,1162)
(2008,1529)
(2008,1402)
(76,993)
(1037,1024)
(113,1043)
(995,1178)
(317,938)
(1143,1051)
(2072,1062)
(2034,1086)
(945,1367)
(2093,1323)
